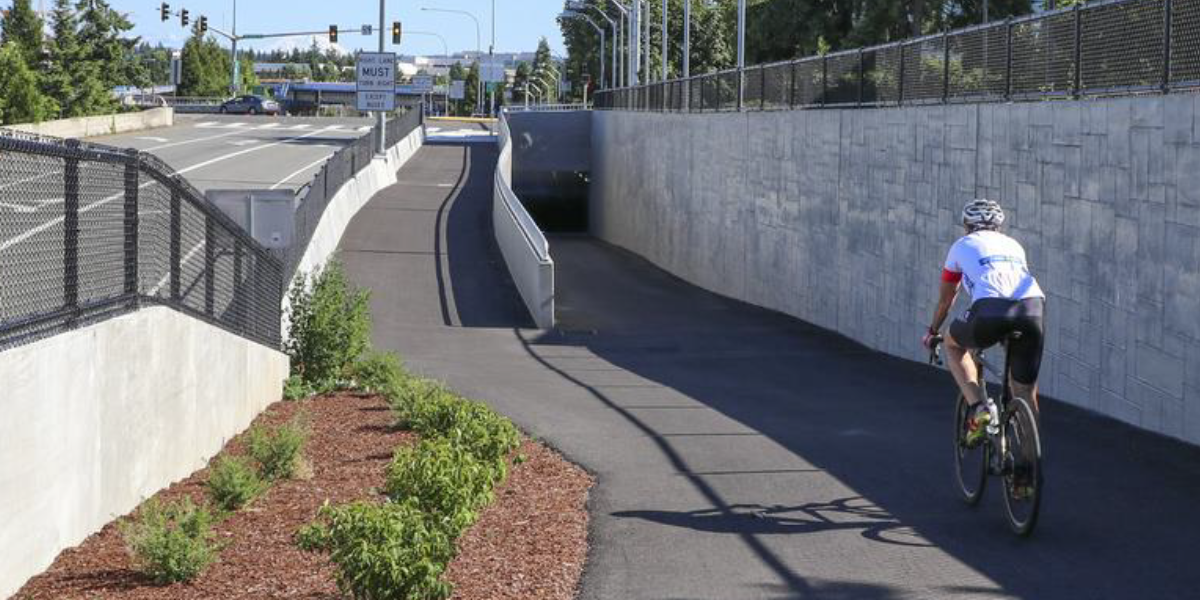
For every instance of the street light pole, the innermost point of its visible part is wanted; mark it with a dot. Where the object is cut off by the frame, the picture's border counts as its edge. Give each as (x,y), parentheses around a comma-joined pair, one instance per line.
(623,41)
(382,115)
(234,84)
(600,30)
(741,51)
(664,39)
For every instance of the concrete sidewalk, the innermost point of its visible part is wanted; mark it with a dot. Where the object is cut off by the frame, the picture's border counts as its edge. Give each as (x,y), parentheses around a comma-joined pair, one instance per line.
(743,454)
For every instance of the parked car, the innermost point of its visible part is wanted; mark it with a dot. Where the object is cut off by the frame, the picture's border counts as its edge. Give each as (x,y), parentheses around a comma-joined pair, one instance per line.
(249,105)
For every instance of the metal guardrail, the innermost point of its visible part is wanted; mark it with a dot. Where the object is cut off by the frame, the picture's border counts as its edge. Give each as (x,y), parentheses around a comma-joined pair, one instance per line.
(340,168)
(545,108)
(1106,48)
(88,232)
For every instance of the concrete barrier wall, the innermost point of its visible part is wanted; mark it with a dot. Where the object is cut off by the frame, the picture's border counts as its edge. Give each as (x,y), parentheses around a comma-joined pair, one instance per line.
(842,218)
(83,127)
(523,245)
(98,419)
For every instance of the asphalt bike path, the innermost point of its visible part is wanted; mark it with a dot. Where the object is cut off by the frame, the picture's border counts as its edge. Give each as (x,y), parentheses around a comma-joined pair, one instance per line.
(740,453)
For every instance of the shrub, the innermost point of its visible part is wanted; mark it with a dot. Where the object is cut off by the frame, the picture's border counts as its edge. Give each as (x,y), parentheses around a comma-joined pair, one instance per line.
(411,396)
(487,435)
(295,388)
(329,324)
(171,542)
(379,372)
(382,552)
(443,479)
(233,483)
(279,453)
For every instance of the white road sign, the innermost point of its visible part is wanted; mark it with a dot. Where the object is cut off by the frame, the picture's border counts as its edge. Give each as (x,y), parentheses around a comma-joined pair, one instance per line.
(423,83)
(376,81)
(458,90)
(492,72)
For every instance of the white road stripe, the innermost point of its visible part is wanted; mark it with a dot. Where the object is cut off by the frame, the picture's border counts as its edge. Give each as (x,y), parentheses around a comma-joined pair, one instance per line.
(300,126)
(246,151)
(206,124)
(28,179)
(186,142)
(298,171)
(153,139)
(269,126)
(186,258)
(364,129)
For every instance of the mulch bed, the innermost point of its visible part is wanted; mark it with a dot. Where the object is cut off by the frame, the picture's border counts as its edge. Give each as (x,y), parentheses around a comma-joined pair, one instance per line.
(530,543)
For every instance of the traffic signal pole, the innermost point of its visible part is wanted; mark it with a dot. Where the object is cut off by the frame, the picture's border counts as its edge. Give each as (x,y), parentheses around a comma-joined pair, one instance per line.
(382,115)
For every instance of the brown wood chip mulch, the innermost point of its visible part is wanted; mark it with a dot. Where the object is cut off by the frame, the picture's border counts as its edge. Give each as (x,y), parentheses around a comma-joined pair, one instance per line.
(530,543)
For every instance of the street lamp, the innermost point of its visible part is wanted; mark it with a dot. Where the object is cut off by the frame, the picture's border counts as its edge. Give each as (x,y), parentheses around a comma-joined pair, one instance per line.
(569,14)
(478,51)
(557,77)
(578,6)
(622,40)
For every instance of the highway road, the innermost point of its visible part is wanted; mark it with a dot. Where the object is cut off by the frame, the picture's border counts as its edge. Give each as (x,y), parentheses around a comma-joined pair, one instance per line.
(221,152)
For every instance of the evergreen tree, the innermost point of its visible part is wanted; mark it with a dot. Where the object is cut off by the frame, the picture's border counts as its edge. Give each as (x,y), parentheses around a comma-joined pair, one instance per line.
(471,88)
(206,68)
(23,27)
(76,83)
(102,41)
(22,100)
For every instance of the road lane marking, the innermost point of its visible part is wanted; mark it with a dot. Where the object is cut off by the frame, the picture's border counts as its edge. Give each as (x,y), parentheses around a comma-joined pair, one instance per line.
(29,179)
(153,139)
(186,142)
(270,126)
(300,126)
(242,142)
(246,151)
(298,171)
(186,258)
(364,129)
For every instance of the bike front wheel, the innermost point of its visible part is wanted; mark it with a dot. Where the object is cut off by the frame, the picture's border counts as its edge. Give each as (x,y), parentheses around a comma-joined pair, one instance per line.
(970,462)
(1023,481)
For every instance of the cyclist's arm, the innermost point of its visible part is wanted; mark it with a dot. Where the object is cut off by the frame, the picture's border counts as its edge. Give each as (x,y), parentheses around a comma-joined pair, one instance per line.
(947,290)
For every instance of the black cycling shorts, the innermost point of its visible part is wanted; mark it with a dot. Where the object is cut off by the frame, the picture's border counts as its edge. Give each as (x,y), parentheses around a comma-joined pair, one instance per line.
(989,320)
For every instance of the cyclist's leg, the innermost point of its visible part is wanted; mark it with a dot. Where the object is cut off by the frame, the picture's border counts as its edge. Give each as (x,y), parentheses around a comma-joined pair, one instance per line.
(1026,352)
(962,362)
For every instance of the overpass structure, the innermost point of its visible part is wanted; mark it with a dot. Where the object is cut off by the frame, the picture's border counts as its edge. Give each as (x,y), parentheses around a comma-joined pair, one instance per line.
(726,338)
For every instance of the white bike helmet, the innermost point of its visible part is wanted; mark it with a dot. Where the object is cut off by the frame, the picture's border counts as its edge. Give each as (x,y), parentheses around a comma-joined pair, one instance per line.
(982,213)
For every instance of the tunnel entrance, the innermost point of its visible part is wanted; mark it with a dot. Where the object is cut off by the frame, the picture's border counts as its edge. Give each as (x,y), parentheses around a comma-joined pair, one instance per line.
(552,166)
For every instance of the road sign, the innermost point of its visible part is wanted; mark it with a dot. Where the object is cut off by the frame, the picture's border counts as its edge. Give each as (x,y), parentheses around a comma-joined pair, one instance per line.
(376,81)
(367,29)
(491,72)
(458,89)
(423,83)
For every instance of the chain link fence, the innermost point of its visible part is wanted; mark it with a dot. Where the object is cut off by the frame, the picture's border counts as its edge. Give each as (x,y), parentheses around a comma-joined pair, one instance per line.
(1105,48)
(89,231)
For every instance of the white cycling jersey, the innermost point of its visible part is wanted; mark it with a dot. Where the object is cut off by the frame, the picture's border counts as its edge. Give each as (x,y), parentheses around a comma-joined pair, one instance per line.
(991,265)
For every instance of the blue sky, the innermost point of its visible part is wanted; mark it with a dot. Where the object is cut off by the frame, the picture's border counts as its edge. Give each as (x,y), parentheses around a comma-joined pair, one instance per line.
(519,23)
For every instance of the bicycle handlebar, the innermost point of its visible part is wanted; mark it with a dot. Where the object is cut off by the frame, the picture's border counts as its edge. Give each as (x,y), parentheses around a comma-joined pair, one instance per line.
(935,357)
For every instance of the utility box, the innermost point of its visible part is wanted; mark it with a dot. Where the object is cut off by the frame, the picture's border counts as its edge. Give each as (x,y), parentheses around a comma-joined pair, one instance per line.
(269,216)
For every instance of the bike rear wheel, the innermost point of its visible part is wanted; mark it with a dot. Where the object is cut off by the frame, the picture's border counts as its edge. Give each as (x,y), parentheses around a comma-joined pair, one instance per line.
(970,463)
(1022,467)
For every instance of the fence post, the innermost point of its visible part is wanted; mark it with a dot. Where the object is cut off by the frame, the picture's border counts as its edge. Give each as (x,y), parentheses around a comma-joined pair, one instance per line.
(945,66)
(861,77)
(1078,83)
(239,308)
(762,88)
(71,228)
(176,217)
(824,80)
(210,266)
(900,81)
(1008,58)
(131,223)
(792,85)
(1166,81)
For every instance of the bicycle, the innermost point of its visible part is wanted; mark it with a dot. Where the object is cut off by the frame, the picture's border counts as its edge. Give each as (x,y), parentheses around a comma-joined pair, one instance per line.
(1012,449)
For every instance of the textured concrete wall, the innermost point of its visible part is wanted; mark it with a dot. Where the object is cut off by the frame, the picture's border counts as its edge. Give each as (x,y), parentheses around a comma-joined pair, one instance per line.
(82,127)
(97,419)
(842,218)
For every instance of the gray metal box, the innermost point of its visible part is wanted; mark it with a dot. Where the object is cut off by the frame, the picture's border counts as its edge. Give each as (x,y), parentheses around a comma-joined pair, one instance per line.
(268,215)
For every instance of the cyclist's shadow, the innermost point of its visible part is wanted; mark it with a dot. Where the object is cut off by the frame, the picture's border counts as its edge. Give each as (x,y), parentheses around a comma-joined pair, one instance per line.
(850,513)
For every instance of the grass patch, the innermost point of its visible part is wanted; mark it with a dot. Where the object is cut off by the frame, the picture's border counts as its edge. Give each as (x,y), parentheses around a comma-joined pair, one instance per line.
(171,542)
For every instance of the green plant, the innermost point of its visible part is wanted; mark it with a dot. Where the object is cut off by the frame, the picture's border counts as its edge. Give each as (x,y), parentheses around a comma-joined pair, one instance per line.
(171,541)
(233,483)
(487,435)
(379,372)
(295,388)
(411,396)
(443,479)
(382,552)
(329,325)
(279,452)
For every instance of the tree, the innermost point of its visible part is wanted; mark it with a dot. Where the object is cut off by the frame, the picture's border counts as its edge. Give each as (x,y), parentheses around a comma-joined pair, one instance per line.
(23,27)
(206,67)
(22,100)
(472,88)
(102,41)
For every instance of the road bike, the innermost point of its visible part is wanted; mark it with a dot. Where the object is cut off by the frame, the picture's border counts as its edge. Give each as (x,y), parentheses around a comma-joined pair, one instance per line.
(1011,450)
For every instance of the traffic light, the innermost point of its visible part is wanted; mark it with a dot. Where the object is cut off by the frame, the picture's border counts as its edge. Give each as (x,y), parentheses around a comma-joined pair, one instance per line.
(165,11)
(183,17)
(333,34)
(396,32)
(203,24)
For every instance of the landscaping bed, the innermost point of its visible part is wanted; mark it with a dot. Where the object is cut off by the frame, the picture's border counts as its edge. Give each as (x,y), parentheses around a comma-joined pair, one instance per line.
(529,543)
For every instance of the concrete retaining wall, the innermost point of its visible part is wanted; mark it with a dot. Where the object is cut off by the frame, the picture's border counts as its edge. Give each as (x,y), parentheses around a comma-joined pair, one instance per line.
(83,127)
(98,419)
(842,218)
(523,245)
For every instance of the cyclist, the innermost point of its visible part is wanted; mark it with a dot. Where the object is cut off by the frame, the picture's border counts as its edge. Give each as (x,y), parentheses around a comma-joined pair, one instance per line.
(1004,298)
